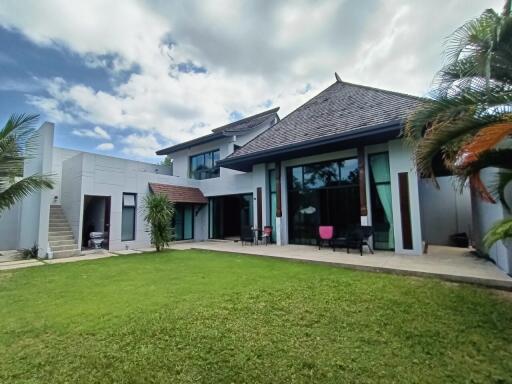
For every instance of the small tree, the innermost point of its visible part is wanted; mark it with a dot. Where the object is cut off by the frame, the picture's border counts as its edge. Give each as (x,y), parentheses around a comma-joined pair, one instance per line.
(159,212)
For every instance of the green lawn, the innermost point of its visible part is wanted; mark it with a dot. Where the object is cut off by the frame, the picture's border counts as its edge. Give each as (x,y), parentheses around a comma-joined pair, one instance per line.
(196,316)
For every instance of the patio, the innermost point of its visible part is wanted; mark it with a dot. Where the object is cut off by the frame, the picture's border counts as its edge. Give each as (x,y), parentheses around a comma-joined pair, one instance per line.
(448,263)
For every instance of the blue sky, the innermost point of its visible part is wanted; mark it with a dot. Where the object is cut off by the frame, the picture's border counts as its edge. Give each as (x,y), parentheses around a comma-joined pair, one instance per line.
(128,77)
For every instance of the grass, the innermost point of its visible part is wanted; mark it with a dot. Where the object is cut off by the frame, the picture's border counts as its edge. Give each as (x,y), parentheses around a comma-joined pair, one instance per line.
(197,316)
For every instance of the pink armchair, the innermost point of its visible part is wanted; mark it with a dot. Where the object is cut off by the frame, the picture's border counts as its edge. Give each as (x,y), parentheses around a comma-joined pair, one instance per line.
(325,235)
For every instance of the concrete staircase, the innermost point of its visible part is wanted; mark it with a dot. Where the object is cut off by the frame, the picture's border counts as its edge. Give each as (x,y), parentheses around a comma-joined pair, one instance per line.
(60,236)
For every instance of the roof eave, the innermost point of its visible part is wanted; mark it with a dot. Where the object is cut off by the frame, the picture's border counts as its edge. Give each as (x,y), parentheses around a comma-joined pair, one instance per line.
(189,144)
(372,135)
(217,133)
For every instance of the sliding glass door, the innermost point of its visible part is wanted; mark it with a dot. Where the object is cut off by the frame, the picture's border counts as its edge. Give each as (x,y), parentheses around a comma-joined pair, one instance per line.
(183,222)
(324,193)
(228,214)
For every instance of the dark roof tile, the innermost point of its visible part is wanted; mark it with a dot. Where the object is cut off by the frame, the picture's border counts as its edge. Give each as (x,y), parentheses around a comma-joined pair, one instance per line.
(179,194)
(340,108)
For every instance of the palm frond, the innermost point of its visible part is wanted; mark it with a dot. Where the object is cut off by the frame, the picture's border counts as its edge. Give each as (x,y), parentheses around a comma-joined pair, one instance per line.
(499,231)
(23,188)
(507,8)
(476,183)
(475,37)
(485,139)
(504,178)
(21,125)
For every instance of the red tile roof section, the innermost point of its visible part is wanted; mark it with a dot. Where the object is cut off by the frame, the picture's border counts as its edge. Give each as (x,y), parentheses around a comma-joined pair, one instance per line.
(179,194)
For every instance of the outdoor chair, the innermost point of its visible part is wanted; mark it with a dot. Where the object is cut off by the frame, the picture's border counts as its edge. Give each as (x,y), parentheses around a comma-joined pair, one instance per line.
(325,235)
(360,238)
(340,241)
(267,234)
(247,235)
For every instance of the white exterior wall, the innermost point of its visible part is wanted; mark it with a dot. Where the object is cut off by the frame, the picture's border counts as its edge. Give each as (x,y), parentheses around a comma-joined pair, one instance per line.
(400,160)
(10,228)
(79,173)
(444,210)
(71,192)
(58,157)
(97,175)
(484,216)
(35,211)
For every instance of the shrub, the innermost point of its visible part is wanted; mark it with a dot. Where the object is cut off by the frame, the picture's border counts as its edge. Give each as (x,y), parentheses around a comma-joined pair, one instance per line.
(30,253)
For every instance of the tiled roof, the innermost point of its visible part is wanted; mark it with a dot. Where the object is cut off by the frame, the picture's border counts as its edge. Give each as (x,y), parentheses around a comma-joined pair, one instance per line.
(341,108)
(179,194)
(234,128)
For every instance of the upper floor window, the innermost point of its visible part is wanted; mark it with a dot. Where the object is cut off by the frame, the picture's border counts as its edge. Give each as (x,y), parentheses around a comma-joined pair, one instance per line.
(204,165)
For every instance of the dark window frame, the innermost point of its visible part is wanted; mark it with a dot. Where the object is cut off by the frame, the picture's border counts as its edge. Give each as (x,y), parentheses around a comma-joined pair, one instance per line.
(373,196)
(302,166)
(298,234)
(210,173)
(134,214)
(182,207)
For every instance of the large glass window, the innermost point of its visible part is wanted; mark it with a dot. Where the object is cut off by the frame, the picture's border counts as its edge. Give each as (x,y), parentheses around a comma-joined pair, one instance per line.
(228,215)
(324,193)
(183,222)
(204,165)
(128,217)
(380,195)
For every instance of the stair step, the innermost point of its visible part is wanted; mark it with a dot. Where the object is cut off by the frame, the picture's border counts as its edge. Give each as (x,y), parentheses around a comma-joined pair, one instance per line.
(58,224)
(60,233)
(67,253)
(60,237)
(56,243)
(55,228)
(65,247)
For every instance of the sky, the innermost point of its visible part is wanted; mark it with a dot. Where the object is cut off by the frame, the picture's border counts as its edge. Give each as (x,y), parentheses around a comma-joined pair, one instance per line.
(126,78)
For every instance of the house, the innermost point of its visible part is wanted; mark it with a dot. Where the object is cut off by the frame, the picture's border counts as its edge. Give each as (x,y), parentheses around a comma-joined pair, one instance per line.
(338,159)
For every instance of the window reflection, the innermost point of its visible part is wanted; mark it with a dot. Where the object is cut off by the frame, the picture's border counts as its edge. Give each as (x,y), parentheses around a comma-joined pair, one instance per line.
(324,193)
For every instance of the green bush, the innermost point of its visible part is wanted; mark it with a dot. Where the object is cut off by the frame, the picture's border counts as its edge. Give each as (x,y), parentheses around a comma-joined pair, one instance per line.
(30,253)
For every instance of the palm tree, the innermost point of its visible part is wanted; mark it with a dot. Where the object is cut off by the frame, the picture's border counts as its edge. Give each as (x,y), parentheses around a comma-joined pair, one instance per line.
(468,119)
(159,212)
(15,148)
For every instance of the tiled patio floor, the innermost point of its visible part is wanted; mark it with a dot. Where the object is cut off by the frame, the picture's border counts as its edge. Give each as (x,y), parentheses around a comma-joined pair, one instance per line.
(453,264)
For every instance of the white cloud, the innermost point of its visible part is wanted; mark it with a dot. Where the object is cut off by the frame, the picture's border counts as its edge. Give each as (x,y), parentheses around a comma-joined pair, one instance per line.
(142,147)
(52,108)
(105,147)
(253,52)
(95,133)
